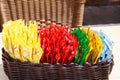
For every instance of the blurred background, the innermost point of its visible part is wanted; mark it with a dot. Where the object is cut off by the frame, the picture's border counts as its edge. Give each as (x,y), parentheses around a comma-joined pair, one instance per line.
(102,2)
(102,12)
(98,12)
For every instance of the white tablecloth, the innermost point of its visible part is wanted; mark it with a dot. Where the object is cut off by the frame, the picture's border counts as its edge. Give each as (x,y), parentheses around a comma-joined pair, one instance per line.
(113,31)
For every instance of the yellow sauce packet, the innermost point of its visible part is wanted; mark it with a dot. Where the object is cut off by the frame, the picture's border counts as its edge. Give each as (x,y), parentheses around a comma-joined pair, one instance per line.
(95,45)
(21,41)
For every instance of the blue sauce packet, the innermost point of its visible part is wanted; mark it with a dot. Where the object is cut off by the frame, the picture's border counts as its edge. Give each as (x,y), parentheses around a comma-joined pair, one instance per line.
(107,47)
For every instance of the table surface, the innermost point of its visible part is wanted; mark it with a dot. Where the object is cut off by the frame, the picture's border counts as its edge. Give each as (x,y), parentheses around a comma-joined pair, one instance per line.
(112,30)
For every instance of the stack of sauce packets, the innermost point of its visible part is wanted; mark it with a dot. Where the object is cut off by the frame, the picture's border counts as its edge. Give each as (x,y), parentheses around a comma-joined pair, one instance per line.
(21,41)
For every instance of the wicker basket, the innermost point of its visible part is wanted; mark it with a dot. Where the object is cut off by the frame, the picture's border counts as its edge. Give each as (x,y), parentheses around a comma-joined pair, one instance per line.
(17,70)
(68,12)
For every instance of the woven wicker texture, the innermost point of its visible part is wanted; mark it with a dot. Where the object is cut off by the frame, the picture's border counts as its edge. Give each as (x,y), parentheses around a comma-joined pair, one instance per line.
(68,12)
(17,70)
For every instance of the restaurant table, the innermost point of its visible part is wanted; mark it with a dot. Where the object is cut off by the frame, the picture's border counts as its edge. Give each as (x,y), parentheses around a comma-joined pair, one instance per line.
(112,30)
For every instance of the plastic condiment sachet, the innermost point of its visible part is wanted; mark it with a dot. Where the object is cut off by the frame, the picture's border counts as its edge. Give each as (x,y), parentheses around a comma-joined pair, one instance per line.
(21,40)
(58,43)
(95,45)
(107,46)
(83,48)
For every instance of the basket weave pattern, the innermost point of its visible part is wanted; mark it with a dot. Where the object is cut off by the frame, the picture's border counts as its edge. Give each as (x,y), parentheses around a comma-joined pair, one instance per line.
(17,70)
